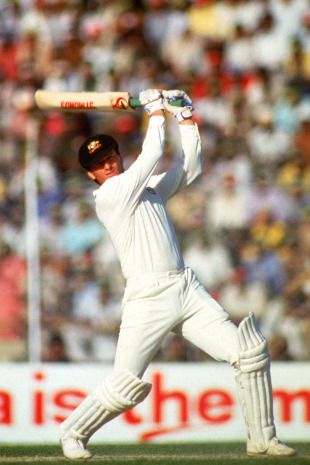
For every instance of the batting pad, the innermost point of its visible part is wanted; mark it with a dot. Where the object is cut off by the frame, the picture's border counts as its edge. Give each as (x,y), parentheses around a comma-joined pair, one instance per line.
(254,384)
(119,392)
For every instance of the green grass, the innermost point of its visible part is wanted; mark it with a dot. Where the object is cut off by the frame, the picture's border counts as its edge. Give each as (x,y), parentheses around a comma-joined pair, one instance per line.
(149,454)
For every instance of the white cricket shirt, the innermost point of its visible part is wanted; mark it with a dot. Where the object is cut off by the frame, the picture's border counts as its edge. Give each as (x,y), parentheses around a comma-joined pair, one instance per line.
(132,205)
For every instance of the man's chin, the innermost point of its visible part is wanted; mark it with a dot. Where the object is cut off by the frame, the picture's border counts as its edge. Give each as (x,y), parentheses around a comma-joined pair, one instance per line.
(111,175)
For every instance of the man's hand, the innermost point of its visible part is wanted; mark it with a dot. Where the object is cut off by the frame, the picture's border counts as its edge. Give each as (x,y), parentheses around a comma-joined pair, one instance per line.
(177,94)
(180,113)
(152,100)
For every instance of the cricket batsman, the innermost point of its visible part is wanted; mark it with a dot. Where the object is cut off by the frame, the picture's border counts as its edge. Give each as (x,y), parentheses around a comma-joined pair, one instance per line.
(161,293)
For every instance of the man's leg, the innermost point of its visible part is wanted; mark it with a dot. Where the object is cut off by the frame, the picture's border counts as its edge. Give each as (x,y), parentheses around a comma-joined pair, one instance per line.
(208,326)
(255,391)
(119,391)
(150,313)
(144,326)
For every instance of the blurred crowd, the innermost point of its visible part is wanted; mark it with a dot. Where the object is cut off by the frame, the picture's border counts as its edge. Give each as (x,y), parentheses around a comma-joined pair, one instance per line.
(244,226)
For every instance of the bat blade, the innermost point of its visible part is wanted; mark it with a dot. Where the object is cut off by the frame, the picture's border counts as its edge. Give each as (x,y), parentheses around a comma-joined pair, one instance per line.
(82,101)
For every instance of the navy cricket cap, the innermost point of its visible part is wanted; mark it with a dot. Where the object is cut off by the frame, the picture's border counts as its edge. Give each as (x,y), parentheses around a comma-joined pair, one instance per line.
(95,148)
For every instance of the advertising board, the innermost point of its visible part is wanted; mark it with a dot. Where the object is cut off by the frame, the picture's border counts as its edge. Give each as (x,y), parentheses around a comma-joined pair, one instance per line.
(188,402)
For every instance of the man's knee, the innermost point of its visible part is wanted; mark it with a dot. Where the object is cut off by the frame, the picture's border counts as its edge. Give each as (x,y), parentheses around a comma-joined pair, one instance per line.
(253,354)
(121,390)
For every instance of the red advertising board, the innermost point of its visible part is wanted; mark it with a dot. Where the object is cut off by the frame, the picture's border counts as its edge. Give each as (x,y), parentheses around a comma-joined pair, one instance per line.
(188,402)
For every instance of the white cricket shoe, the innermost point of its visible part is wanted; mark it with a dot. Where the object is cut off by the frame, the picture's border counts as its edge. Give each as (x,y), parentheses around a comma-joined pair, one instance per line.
(74,449)
(275,447)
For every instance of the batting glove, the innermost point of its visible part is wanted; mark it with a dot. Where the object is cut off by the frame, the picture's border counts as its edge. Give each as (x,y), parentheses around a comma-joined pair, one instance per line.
(151,100)
(180,113)
(177,94)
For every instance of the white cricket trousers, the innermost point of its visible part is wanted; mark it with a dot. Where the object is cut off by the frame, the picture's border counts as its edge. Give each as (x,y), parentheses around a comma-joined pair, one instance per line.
(157,303)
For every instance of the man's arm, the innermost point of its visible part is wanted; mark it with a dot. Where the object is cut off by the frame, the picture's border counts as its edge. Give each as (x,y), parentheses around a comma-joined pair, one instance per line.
(153,144)
(191,150)
(190,164)
(190,138)
(125,190)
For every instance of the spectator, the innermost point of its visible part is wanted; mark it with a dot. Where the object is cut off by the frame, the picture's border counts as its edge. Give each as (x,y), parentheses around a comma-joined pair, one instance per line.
(302,137)
(13,319)
(295,329)
(90,330)
(210,20)
(272,58)
(266,231)
(268,145)
(55,350)
(227,206)
(263,192)
(285,112)
(214,109)
(240,297)
(238,52)
(54,285)
(278,348)
(186,209)
(288,15)
(81,233)
(210,261)
(176,349)
(263,265)
(184,53)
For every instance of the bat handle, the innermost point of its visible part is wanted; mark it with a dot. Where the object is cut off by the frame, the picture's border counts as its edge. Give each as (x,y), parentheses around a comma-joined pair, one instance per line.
(135,103)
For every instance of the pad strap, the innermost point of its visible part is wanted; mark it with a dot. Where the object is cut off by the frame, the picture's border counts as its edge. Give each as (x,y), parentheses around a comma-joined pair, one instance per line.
(254,359)
(122,390)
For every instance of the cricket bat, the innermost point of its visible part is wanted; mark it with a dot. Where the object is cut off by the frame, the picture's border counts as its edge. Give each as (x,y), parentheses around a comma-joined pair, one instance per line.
(87,101)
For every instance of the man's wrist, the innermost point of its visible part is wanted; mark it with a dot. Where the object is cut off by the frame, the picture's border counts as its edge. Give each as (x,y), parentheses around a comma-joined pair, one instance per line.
(187,122)
(157,113)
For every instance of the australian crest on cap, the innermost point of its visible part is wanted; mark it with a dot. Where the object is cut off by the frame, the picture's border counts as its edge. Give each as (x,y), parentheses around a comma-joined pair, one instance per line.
(93,146)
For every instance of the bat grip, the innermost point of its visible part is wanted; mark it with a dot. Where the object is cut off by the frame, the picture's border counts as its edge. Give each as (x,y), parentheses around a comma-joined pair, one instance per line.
(135,103)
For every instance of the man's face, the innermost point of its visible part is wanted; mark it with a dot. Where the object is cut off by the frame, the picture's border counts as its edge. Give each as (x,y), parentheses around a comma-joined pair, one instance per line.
(111,165)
